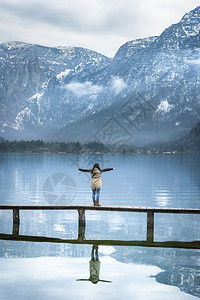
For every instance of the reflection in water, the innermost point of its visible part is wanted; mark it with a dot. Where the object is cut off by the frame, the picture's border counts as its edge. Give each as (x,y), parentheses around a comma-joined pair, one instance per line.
(54,278)
(182,267)
(94,267)
(187,279)
(180,259)
(140,180)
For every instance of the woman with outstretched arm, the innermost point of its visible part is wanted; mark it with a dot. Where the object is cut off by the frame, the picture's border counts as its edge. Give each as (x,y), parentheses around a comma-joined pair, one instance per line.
(96,182)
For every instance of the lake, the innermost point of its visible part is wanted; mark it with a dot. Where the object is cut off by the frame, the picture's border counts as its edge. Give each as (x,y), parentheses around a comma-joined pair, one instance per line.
(48,270)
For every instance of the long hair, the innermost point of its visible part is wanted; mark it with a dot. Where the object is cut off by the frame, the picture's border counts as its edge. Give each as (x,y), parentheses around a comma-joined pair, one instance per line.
(95,166)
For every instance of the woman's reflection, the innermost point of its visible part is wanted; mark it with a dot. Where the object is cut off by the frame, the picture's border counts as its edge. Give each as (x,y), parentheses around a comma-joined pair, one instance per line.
(94,267)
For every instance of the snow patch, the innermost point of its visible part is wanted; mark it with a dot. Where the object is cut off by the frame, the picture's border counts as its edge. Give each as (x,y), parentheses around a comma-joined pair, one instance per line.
(163,107)
(187,108)
(15,45)
(24,115)
(3,125)
(63,74)
(36,98)
(45,84)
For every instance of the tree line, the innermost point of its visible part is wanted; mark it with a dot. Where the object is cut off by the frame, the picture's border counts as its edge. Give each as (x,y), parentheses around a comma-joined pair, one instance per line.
(190,143)
(41,146)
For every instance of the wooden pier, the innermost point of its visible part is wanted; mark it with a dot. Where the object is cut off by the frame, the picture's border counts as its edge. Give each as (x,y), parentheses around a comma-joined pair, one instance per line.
(81,209)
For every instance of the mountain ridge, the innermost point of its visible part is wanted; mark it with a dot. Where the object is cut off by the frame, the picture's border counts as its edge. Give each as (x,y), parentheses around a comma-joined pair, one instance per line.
(73,86)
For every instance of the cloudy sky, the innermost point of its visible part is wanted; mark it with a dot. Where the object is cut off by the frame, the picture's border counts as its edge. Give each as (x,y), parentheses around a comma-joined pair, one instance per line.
(100,25)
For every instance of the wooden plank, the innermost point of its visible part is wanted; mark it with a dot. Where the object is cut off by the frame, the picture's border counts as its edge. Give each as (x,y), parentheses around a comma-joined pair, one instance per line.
(16,219)
(81,224)
(41,239)
(15,228)
(150,226)
(104,208)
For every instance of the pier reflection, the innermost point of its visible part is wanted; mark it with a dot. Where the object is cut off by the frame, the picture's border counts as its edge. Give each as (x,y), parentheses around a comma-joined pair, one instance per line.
(181,267)
(81,240)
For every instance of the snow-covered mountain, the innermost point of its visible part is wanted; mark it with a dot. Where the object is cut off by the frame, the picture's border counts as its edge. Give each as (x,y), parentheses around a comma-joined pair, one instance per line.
(43,87)
(150,89)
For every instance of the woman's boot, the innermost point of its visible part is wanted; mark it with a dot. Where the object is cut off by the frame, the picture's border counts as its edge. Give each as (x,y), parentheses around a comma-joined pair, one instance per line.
(97,203)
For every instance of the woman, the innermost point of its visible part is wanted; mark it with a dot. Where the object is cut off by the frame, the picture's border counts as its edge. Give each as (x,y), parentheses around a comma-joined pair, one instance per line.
(96,182)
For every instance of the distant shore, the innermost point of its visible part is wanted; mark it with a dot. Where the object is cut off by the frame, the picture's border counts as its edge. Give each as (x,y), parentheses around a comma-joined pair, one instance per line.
(94,147)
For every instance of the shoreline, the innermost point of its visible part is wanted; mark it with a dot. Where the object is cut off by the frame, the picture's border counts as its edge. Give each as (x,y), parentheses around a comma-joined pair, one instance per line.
(109,152)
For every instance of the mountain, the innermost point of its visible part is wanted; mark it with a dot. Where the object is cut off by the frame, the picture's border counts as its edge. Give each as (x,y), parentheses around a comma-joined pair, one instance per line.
(160,100)
(149,91)
(33,96)
(191,141)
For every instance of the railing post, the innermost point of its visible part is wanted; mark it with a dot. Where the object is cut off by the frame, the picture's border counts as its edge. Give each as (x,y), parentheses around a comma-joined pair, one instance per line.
(150,226)
(81,224)
(16,221)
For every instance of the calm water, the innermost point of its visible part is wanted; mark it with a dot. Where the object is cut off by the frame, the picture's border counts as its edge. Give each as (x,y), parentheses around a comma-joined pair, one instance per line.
(50,271)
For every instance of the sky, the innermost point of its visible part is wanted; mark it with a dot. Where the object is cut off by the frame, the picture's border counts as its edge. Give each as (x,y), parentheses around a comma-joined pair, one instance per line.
(100,25)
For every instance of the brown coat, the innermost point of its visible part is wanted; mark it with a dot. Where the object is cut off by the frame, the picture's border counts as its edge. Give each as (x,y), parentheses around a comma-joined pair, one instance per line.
(96,182)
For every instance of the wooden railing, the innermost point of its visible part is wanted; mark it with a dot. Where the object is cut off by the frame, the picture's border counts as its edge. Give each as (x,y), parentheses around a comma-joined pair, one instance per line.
(150,211)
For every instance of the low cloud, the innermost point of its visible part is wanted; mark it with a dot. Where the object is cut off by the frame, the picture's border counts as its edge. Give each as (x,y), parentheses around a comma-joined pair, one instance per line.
(83,89)
(118,85)
(195,62)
